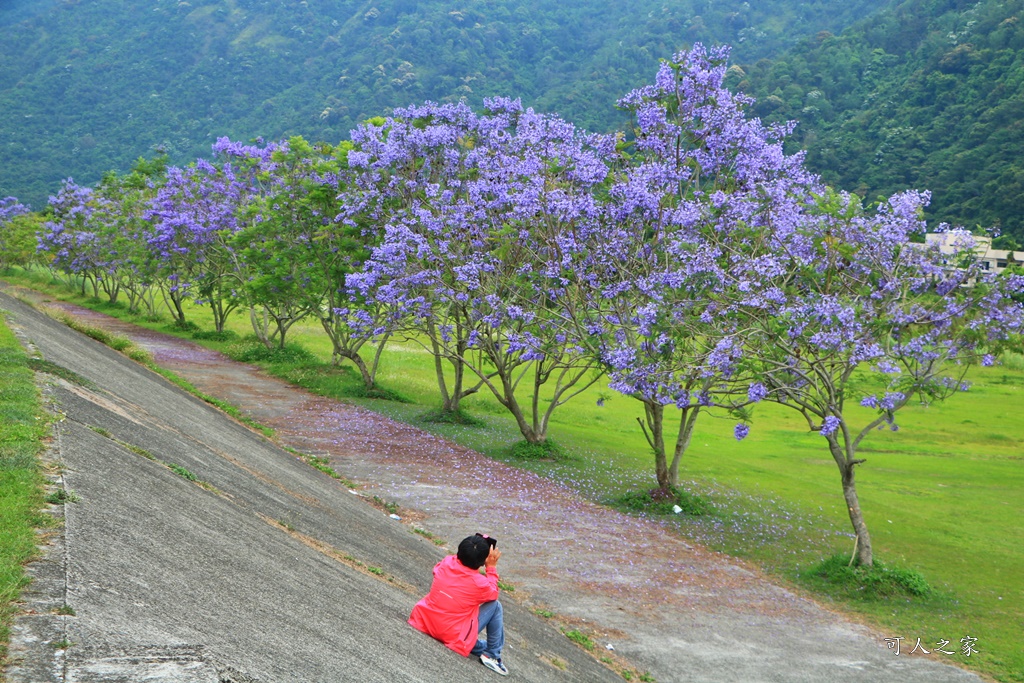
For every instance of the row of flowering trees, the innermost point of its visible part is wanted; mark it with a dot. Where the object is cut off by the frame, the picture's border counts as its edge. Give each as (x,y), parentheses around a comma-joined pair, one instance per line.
(691,260)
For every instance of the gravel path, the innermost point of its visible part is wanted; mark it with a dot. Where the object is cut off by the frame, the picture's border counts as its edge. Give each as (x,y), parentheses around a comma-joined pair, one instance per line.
(681,611)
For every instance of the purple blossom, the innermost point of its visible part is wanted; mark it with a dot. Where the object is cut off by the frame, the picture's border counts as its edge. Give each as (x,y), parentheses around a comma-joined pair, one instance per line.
(829,425)
(891,400)
(756,392)
(9,208)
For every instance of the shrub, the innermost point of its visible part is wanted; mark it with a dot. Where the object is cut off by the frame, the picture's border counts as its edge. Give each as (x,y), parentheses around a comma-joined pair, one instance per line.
(252,351)
(546,450)
(859,582)
(661,503)
(380,393)
(214,335)
(184,326)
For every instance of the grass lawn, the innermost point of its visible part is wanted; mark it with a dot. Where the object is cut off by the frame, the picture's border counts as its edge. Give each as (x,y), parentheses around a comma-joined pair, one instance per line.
(22,428)
(942,496)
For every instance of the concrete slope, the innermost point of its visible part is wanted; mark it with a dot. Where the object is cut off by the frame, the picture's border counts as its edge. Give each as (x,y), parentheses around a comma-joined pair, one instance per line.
(263,569)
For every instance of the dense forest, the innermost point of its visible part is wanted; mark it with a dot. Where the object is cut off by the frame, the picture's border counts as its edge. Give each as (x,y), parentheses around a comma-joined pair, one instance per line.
(928,94)
(88,86)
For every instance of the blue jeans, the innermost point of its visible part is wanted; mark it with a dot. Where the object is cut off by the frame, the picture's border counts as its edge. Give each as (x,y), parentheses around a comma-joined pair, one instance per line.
(491,619)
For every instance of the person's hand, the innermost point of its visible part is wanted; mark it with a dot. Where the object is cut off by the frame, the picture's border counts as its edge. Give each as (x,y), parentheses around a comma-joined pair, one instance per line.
(493,557)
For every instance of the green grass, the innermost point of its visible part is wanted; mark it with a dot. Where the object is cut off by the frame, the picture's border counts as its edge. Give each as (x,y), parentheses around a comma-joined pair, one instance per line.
(580,638)
(387,506)
(941,497)
(62,496)
(428,535)
(22,428)
(452,417)
(322,464)
(182,471)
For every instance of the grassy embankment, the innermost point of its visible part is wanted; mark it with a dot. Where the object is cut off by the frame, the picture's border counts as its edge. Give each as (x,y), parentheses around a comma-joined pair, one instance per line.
(22,427)
(941,496)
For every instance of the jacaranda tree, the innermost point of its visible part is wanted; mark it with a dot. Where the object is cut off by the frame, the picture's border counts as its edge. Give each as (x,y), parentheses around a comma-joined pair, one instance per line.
(475,255)
(74,241)
(194,216)
(701,198)
(406,169)
(869,319)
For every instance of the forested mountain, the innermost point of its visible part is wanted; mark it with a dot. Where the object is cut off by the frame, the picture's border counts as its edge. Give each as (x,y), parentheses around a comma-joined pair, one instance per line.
(89,85)
(927,94)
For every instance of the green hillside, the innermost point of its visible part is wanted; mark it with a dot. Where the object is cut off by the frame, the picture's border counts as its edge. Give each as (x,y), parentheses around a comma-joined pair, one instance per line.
(89,85)
(928,94)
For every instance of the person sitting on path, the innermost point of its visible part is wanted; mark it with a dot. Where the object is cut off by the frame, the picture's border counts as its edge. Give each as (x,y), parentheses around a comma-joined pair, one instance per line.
(462,602)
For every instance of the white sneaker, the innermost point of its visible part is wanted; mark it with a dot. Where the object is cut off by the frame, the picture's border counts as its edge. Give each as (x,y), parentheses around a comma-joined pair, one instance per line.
(494,665)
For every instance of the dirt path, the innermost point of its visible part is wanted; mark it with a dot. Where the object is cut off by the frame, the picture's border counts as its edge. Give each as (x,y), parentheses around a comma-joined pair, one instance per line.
(676,609)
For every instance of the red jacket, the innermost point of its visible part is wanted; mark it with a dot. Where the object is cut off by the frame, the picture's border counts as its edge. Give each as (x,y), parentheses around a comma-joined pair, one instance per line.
(450,610)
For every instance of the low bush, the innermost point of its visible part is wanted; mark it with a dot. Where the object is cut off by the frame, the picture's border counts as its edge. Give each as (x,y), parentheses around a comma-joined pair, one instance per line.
(250,350)
(853,581)
(184,326)
(214,335)
(546,450)
(660,502)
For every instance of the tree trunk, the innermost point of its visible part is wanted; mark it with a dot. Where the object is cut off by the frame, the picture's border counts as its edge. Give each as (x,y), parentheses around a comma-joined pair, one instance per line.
(174,301)
(508,399)
(221,311)
(261,326)
(530,434)
(134,294)
(282,330)
(686,422)
(357,360)
(111,287)
(860,529)
(450,399)
(653,426)
(862,542)
(378,352)
(655,417)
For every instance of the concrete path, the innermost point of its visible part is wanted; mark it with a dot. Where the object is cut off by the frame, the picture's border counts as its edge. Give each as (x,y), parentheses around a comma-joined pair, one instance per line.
(675,609)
